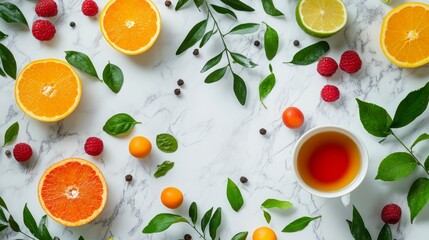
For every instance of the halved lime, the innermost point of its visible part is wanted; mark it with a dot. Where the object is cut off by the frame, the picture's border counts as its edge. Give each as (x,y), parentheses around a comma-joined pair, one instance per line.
(321,18)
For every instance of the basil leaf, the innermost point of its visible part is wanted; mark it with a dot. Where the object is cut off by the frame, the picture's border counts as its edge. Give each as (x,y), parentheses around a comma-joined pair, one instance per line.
(357,226)
(222,10)
(30,223)
(2,73)
(3,204)
(180,4)
(3,35)
(11,13)
(240,236)
(274,203)
(310,54)
(266,86)
(216,75)
(162,222)
(271,42)
(3,226)
(267,216)
(193,212)
(270,9)
(234,196)
(385,233)
(82,62)
(166,143)
(374,119)
(412,106)
(8,61)
(11,133)
(418,196)
(206,219)
(238,5)
(242,60)
(13,225)
(120,123)
(422,137)
(396,166)
(2,216)
(245,28)
(240,89)
(212,62)
(113,77)
(163,169)
(206,38)
(194,35)
(215,223)
(198,3)
(299,224)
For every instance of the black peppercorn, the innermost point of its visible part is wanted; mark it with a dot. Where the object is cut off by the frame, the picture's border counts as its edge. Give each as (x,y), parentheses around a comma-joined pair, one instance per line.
(72,24)
(180,82)
(257,43)
(8,153)
(167,3)
(262,131)
(128,178)
(187,237)
(296,43)
(177,91)
(196,52)
(243,179)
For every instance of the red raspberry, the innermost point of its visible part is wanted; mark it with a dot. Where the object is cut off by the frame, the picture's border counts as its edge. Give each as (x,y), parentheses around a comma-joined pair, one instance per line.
(89,8)
(327,67)
(43,30)
(22,152)
(46,8)
(330,93)
(350,62)
(93,146)
(391,214)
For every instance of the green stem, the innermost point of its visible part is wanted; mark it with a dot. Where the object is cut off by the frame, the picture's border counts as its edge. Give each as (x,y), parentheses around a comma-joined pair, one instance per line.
(196,230)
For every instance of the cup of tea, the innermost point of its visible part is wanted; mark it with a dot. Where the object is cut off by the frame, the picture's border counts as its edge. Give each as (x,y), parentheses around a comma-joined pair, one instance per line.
(330,162)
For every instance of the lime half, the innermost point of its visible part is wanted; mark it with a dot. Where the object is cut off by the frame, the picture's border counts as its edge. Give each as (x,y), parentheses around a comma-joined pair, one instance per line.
(321,18)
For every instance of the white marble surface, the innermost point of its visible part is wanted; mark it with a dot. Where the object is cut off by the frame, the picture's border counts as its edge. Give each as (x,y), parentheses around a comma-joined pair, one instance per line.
(218,138)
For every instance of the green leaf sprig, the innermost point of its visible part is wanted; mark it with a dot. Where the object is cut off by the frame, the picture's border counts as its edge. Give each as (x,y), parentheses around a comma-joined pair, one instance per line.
(166,143)
(163,169)
(310,54)
(119,124)
(357,227)
(12,14)
(234,196)
(274,203)
(299,224)
(11,133)
(266,86)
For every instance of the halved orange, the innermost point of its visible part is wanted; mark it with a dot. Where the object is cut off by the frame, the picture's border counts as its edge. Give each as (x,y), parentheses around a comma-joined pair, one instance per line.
(73,192)
(130,26)
(48,90)
(405,35)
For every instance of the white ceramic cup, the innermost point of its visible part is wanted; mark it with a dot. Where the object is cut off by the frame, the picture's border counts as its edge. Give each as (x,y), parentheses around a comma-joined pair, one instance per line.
(344,193)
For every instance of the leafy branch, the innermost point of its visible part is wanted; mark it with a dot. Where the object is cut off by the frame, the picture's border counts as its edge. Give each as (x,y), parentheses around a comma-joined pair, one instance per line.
(360,232)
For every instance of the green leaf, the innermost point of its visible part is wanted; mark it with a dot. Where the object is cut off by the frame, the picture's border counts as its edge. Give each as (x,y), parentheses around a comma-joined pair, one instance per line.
(274,203)
(113,77)
(45,233)
(193,212)
(267,216)
(30,223)
(2,216)
(374,119)
(8,61)
(386,1)
(11,133)
(427,163)
(166,143)
(299,224)
(357,226)
(118,124)
(396,166)
(3,35)
(180,4)
(194,35)
(271,42)
(42,222)
(82,62)
(215,223)
(238,5)
(81,238)
(222,10)
(206,38)
(163,169)
(240,89)
(212,62)
(162,222)
(266,86)
(418,196)
(270,9)
(234,196)
(3,204)
(310,54)
(216,75)
(242,60)
(240,236)
(11,13)
(206,219)
(422,137)
(13,225)
(3,226)
(412,106)
(198,3)
(2,73)
(385,233)
(245,28)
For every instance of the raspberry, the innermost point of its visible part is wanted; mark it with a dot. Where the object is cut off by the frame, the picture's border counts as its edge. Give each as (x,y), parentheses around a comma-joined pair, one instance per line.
(391,214)
(22,152)
(330,93)
(327,67)
(93,146)
(350,62)
(43,30)
(89,8)
(46,8)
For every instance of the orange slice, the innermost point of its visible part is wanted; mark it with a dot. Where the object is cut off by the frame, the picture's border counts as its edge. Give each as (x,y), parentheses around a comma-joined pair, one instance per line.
(72,192)
(48,90)
(405,35)
(130,26)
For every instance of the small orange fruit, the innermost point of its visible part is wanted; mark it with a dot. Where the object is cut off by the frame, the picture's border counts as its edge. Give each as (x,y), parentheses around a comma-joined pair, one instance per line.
(293,117)
(73,192)
(140,147)
(172,197)
(130,26)
(48,90)
(264,233)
